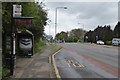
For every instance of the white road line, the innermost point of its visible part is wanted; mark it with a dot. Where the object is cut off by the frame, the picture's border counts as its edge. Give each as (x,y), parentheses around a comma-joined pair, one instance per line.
(81,65)
(74,65)
(67,61)
(71,61)
(50,59)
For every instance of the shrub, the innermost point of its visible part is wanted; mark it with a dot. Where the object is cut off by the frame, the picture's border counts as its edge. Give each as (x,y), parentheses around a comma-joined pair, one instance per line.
(39,45)
(109,42)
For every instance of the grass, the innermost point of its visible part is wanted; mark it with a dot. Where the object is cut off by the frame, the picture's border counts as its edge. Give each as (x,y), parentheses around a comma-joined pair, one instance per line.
(39,45)
(3,72)
(109,42)
(55,47)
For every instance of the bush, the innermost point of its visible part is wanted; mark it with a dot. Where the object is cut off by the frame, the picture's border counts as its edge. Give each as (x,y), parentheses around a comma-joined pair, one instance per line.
(4,73)
(39,45)
(109,42)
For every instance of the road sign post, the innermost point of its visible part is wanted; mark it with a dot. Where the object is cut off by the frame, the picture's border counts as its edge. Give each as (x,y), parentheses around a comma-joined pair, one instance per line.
(17,21)
(15,12)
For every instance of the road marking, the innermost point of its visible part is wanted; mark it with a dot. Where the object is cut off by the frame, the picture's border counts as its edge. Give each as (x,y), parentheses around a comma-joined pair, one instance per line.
(50,59)
(71,61)
(54,65)
(81,65)
(74,65)
(67,63)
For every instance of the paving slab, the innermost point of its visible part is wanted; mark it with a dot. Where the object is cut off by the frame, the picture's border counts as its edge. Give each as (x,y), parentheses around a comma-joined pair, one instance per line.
(38,66)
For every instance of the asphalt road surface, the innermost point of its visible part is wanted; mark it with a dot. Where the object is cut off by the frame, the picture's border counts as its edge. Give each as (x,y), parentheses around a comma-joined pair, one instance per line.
(84,60)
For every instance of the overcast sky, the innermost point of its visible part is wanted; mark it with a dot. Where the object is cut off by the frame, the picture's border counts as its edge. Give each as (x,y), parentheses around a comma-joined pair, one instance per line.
(89,14)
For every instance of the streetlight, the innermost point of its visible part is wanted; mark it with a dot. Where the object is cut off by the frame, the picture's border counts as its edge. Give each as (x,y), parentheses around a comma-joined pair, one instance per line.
(49,21)
(56,17)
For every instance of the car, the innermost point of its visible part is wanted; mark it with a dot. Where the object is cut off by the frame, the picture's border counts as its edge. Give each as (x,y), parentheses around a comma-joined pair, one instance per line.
(100,42)
(116,41)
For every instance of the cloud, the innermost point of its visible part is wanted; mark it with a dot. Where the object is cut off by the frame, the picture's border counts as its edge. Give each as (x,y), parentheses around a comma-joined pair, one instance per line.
(119,11)
(81,0)
(91,14)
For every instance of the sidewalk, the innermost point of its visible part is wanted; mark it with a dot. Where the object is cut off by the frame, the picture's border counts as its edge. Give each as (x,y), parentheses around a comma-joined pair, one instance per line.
(38,66)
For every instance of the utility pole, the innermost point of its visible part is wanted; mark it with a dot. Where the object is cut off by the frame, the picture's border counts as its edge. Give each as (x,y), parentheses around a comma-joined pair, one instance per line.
(55,21)
(56,17)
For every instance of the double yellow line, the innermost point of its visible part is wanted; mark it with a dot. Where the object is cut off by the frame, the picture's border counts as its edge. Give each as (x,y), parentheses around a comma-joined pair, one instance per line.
(54,65)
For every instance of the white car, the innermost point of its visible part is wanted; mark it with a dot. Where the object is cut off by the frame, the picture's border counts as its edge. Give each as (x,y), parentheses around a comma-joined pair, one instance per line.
(116,41)
(100,42)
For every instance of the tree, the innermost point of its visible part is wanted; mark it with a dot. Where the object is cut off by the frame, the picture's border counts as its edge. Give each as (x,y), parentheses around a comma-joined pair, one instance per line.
(100,33)
(29,9)
(117,30)
(40,18)
(72,36)
(62,36)
(77,34)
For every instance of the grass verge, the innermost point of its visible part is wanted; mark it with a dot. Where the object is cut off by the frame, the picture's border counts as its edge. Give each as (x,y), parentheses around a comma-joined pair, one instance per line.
(39,45)
(55,47)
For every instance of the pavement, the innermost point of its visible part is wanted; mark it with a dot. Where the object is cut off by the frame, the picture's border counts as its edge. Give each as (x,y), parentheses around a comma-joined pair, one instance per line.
(38,66)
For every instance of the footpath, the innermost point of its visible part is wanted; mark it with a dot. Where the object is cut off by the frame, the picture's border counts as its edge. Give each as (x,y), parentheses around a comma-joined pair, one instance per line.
(38,66)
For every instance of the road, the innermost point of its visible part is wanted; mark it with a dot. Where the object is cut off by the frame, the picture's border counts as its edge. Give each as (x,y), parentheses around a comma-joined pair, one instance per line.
(84,60)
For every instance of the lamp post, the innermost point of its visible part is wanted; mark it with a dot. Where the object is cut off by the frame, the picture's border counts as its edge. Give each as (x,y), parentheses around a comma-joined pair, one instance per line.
(49,21)
(56,17)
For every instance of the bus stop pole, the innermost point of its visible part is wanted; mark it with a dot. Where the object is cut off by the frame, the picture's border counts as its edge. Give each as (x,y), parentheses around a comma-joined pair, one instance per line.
(12,54)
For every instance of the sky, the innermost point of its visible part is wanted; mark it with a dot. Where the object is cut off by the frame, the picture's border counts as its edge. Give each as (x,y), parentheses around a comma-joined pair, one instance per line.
(85,15)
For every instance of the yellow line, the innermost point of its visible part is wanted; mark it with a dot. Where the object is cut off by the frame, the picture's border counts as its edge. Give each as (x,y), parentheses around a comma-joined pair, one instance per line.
(54,65)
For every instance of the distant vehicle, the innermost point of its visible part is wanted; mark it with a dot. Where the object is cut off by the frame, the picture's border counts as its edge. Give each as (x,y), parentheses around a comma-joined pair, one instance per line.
(100,42)
(116,41)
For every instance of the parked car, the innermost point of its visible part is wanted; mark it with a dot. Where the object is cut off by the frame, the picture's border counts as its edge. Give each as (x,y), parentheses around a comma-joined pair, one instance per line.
(100,42)
(116,41)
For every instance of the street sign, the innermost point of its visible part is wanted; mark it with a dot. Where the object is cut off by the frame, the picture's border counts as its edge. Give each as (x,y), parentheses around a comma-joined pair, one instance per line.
(17,10)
